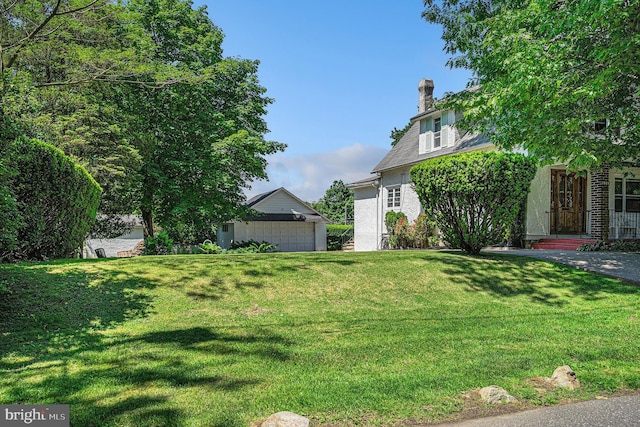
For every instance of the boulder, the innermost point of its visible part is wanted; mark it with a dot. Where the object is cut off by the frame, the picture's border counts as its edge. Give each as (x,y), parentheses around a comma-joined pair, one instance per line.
(285,419)
(564,377)
(494,394)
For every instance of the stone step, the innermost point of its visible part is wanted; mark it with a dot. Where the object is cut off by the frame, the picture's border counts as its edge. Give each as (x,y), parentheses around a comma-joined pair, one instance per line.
(567,244)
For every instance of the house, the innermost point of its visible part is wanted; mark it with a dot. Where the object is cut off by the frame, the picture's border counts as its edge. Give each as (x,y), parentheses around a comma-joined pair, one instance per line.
(560,204)
(281,219)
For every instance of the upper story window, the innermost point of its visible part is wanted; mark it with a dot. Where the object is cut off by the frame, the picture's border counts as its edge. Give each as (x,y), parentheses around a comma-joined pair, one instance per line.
(437,128)
(393,197)
(627,195)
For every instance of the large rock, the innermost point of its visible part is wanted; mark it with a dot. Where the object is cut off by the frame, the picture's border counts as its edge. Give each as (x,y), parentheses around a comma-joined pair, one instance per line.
(564,377)
(285,419)
(494,394)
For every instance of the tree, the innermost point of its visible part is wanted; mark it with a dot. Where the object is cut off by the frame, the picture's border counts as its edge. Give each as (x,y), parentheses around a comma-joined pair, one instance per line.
(141,94)
(474,198)
(397,134)
(337,203)
(559,78)
(200,144)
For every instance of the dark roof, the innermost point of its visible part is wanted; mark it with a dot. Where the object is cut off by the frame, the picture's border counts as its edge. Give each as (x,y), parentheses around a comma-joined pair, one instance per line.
(283,217)
(364,182)
(259,197)
(405,152)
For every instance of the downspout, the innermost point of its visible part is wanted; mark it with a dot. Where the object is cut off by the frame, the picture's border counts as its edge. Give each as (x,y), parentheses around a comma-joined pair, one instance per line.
(376,183)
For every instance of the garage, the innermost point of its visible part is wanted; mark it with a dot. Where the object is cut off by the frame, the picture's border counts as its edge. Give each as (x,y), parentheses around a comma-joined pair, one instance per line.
(289,236)
(279,218)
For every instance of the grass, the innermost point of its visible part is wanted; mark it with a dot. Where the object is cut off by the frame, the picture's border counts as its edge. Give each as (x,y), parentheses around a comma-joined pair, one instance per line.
(342,338)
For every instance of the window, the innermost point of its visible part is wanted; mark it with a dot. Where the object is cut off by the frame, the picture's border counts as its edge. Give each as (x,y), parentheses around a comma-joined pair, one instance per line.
(225,228)
(437,126)
(627,195)
(393,197)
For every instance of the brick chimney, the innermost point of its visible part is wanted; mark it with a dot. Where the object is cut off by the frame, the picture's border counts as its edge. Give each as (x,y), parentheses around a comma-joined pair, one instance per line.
(425,90)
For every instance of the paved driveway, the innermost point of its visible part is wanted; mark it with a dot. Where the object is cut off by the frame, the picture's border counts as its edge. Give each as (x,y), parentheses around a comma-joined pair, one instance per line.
(622,265)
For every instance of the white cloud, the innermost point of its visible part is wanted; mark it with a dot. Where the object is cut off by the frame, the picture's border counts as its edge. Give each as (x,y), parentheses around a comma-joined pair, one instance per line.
(309,176)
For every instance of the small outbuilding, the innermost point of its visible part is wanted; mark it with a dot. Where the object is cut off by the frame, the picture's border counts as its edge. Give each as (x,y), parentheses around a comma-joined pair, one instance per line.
(281,219)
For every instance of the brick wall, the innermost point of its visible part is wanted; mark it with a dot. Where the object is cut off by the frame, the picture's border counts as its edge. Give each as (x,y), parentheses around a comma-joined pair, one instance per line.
(600,204)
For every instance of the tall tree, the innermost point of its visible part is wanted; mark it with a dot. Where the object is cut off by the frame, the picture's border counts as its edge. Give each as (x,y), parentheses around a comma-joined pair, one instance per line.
(200,143)
(557,77)
(337,203)
(142,95)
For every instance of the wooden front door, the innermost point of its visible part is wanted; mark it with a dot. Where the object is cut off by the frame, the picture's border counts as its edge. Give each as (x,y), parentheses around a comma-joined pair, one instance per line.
(568,203)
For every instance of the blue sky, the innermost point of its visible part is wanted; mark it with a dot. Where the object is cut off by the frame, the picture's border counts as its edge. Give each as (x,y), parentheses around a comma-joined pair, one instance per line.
(343,74)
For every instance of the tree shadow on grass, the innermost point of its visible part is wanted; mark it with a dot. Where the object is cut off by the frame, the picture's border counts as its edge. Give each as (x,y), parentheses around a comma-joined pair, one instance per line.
(52,349)
(542,282)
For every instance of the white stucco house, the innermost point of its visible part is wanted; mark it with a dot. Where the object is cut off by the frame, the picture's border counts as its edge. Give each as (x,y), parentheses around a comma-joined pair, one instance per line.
(281,219)
(600,205)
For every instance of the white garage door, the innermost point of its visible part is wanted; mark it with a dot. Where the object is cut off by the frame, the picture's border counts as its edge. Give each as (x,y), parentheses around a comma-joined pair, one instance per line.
(289,236)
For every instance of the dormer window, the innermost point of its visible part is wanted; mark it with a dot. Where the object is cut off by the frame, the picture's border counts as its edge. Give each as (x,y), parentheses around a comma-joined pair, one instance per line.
(437,127)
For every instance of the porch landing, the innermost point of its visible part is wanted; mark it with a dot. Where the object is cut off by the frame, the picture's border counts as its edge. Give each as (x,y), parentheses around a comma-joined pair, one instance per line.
(561,243)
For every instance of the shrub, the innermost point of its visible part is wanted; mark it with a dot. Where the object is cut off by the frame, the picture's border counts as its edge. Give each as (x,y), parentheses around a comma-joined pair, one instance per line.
(390,221)
(208,247)
(475,198)
(160,244)
(611,246)
(337,234)
(252,246)
(10,219)
(56,198)
(423,232)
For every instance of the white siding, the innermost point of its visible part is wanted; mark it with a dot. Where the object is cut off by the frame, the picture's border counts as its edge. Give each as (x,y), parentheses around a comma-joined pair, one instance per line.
(366,213)
(280,202)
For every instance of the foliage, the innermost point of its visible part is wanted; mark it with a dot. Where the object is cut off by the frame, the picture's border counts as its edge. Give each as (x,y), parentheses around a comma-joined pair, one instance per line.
(549,72)
(158,244)
(141,94)
(337,203)
(57,201)
(10,220)
(474,197)
(208,247)
(397,134)
(423,232)
(403,234)
(337,234)
(252,246)
(150,341)
(391,220)
(612,246)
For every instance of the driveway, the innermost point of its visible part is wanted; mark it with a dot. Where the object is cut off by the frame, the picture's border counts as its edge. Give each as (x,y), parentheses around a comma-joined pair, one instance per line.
(621,265)
(621,411)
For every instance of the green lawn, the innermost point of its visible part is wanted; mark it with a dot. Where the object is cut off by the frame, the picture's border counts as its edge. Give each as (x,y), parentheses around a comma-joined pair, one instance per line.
(342,338)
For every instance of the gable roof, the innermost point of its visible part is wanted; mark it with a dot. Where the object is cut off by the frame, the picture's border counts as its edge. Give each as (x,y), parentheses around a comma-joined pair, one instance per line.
(309,214)
(405,152)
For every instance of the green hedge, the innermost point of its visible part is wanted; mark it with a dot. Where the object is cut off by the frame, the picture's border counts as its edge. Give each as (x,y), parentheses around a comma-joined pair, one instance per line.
(335,234)
(10,219)
(475,198)
(57,200)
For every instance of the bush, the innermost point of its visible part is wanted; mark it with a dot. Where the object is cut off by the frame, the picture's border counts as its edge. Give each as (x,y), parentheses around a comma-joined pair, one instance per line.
(56,198)
(423,232)
(160,244)
(475,198)
(10,219)
(336,234)
(252,246)
(208,247)
(402,234)
(611,246)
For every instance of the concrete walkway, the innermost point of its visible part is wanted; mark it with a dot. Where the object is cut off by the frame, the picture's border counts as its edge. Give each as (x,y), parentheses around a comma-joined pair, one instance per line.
(621,265)
(621,411)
